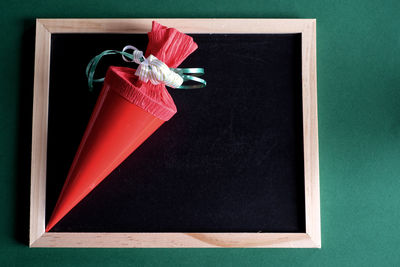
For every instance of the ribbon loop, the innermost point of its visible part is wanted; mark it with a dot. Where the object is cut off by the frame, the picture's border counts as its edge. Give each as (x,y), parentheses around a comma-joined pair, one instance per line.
(137,54)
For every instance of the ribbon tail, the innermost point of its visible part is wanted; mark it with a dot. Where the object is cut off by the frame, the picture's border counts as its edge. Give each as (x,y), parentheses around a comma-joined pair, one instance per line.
(195,73)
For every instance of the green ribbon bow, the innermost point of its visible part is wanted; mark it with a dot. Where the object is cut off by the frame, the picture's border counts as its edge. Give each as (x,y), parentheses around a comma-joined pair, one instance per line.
(187,74)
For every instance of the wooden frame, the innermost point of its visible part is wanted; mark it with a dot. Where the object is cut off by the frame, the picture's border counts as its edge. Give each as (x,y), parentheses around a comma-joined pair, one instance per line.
(46,27)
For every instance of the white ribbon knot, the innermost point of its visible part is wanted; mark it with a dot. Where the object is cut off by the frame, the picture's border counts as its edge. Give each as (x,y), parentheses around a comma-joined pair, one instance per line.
(153,69)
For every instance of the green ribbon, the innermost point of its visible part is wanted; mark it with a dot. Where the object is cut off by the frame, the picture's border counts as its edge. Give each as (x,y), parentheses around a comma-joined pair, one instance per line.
(188,74)
(195,73)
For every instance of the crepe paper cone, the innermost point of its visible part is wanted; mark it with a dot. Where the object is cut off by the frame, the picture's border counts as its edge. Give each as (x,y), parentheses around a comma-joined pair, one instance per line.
(116,129)
(127,112)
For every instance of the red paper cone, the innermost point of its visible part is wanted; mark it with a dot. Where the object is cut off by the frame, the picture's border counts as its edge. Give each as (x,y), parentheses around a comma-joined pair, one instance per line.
(127,112)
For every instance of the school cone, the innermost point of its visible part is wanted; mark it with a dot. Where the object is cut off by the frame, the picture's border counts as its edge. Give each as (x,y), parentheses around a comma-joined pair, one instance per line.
(127,112)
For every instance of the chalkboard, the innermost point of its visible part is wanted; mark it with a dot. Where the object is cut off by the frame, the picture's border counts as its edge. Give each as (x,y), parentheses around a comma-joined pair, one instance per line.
(236,166)
(231,160)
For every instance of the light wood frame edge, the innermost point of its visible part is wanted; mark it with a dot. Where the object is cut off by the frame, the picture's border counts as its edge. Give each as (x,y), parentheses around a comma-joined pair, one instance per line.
(39,133)
(44,29)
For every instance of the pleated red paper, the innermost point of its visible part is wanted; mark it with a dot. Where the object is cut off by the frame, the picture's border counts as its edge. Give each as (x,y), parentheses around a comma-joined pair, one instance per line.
(127,112)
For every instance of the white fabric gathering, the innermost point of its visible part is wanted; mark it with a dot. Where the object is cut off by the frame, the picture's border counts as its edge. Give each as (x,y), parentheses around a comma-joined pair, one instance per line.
(152,69)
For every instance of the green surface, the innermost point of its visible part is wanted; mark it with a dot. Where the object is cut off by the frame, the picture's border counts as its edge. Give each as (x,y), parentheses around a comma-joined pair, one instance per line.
(358,46)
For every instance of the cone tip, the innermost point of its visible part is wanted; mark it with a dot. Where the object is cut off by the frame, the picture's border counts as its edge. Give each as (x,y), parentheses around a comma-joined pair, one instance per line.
(50,225)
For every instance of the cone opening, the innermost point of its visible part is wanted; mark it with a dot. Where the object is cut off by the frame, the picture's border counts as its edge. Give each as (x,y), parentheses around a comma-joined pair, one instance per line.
(155,99)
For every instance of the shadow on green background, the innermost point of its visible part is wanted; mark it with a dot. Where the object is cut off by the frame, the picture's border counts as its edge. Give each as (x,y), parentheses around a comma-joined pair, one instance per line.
(359,129)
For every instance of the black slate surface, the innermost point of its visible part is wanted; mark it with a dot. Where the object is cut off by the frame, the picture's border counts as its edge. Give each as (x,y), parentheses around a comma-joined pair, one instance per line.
(230,160)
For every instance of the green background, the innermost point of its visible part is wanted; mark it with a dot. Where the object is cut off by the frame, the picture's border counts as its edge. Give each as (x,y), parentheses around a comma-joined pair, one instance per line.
(358,50)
